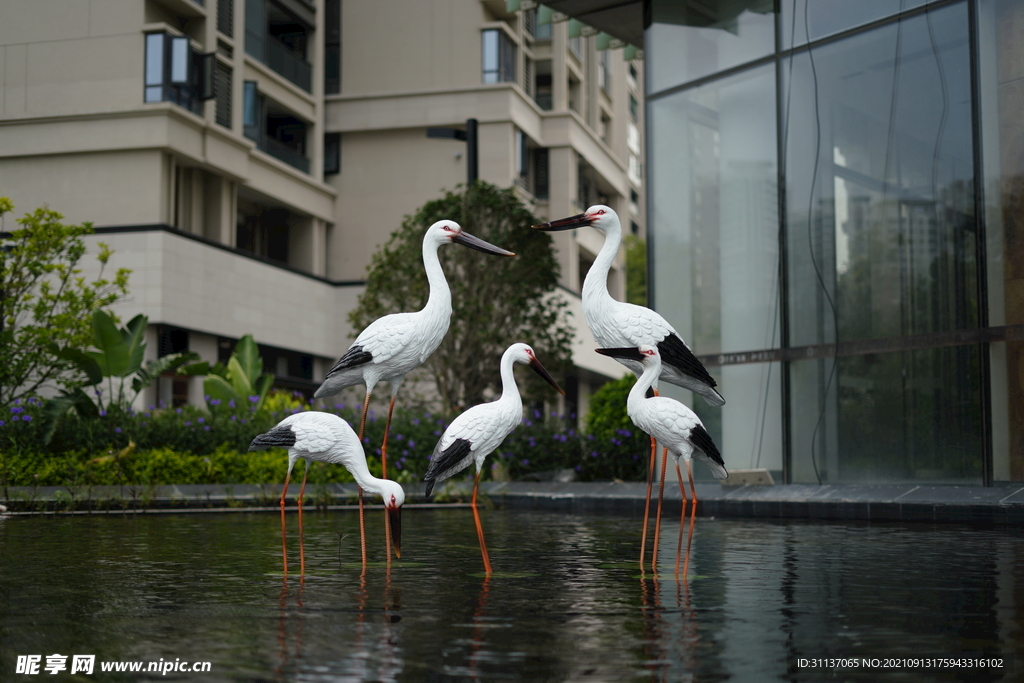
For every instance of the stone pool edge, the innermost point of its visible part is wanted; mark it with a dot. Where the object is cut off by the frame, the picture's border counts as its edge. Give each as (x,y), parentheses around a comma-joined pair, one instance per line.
(901,503)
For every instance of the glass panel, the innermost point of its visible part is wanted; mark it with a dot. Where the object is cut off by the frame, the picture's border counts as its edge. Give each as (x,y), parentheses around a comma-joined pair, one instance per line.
(881,244)
(912,416)
(154,61)
(715,229)
(1001,70)
(812,19)
(490,55)
(687,41)
(179,60)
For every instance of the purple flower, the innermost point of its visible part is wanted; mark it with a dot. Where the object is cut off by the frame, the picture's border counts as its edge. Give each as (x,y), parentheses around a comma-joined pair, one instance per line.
(26,418)
(206,397)
(214,401)
(201,420)
(254,399)
(117,430)
(231,402)
(339,406)
(526,462)
(17,401)
(17,409)
(234,417)
(398,437)
(532,442)
(437,432)
(143,424)
(103,413)
(188,423)
(206,428)
(33,401)
(579,468)
(366,439)
(593,454)
(1,423)
(415,420)
(178,411)
(412,444)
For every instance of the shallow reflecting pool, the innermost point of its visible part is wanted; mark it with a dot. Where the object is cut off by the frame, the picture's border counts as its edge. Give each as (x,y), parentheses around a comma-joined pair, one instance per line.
(567,601)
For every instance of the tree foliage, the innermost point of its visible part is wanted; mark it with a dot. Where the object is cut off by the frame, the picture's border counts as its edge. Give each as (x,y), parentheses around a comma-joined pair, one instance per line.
(242,380)
(496,301)
(636,270)
(44,300)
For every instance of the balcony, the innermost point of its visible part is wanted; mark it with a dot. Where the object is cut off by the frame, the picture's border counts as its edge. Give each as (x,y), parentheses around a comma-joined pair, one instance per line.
(288,63)
(278,37)
(283,152)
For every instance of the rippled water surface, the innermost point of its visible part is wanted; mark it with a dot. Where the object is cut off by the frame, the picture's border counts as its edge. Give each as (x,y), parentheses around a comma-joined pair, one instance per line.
(567,601)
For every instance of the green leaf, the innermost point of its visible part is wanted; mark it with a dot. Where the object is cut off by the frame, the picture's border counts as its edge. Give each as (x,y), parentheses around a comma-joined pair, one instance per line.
(218,388)
(114,354)
(154,368)
(134,337)
(238,378)
(56,408)
(247,354)
(263,385)
(196,369)
(84,362)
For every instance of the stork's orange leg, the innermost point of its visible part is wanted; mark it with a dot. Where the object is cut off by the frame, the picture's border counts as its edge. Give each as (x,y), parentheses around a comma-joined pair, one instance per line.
(479,528)
(657,519)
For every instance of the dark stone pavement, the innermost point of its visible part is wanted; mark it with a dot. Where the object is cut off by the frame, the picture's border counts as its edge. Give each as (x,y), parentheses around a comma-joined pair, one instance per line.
(1000,505)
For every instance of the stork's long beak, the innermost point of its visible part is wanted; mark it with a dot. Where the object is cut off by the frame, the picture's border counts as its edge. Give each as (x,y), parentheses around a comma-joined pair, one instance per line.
(578,221)
(539,369)
(467,240)
(395,519)
(628,353)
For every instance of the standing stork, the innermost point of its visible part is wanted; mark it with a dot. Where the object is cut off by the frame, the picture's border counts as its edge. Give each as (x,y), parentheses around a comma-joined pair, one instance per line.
(615,324)
(393,345)
(673,424)
(325,437)
(474,434)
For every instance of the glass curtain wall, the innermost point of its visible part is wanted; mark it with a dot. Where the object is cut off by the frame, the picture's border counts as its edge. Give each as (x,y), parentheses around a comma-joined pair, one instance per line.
(849,142)
(714,184)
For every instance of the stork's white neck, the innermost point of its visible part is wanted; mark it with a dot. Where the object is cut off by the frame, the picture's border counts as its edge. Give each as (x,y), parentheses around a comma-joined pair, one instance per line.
(509,389)
(638,394)
(361,473)
(440,299)
(595,286)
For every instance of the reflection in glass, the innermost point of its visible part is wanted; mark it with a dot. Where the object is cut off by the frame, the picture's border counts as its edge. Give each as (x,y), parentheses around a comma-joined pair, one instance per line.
(688,41)
(813,19)
(715,228)
(881,243)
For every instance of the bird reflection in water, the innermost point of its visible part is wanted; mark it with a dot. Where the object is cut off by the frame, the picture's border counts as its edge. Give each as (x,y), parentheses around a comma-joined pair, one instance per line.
(479,628)
(290,622)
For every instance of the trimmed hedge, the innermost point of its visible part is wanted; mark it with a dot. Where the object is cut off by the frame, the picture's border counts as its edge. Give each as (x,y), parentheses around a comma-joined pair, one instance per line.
(190,445)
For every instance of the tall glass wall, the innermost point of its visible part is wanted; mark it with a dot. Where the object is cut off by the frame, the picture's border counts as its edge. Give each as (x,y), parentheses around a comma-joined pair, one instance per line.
(818,239)
(715,182)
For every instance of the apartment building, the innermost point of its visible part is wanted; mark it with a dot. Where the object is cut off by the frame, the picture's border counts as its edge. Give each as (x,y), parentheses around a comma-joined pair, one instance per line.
(246,157)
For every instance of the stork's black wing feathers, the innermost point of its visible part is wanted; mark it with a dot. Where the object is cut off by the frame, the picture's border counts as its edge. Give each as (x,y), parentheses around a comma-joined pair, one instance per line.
(281,437)
(445,460)
(702,440)
(353,357)
(674,352)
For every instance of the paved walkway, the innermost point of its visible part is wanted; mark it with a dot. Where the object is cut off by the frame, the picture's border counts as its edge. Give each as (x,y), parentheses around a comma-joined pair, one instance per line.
(1002,504)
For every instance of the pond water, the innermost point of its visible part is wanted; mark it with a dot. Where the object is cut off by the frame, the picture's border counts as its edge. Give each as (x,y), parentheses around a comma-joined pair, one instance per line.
(567,600)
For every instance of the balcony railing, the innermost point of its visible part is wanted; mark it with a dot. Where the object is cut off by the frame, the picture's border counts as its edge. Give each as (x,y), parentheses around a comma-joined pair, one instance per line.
(281,59)
(283,152)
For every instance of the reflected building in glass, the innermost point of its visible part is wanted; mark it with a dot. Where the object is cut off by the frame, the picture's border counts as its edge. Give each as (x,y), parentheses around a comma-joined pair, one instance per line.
(835,195)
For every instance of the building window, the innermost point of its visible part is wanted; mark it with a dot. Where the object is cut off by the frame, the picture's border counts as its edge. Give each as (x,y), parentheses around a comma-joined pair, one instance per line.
(540,173)
(604,70)
(538,31)
(542,92)
(226,17)
(499,57)
(332,47)
(176,73)
(634,107)
(332,153)
(222,87)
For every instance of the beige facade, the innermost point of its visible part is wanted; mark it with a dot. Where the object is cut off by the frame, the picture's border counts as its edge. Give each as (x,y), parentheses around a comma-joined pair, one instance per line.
(222,207)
